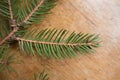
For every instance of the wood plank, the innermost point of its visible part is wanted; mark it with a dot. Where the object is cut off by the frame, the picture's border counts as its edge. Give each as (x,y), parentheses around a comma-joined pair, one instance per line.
(94,16)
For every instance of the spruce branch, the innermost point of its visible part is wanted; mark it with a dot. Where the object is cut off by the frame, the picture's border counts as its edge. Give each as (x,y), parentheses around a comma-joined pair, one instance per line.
(53,42)
(41,76)
(33,11)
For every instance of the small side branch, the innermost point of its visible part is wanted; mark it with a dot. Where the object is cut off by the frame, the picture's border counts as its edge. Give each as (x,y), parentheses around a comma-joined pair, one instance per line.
(10,9)
(29,16)
(9,36)
(3,61)
(12,21)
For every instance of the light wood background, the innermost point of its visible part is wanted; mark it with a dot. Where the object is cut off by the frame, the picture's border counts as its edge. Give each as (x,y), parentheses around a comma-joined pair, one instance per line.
(93,16)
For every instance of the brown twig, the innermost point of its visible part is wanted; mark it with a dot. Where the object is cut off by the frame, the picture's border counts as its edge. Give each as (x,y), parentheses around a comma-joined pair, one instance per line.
(11,15)
(3,61)
(9,36)
(33,11)
(54,43)
(10,9)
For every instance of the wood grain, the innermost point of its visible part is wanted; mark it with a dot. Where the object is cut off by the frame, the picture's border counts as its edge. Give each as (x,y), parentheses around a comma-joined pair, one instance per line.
(93,16)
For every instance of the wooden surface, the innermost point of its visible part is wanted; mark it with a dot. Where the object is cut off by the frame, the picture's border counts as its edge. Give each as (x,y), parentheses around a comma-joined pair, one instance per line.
(94,16)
